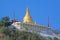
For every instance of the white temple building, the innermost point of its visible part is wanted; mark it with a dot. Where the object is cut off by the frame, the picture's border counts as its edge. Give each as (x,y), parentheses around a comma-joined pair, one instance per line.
(33,27)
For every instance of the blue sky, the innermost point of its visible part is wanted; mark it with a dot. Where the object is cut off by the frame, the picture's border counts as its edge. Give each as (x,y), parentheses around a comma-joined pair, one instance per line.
(39,10)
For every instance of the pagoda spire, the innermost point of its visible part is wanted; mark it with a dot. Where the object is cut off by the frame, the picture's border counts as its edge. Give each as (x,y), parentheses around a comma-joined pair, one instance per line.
(27,17)
(48,21)
(14,15)
(27,12)
(14,18)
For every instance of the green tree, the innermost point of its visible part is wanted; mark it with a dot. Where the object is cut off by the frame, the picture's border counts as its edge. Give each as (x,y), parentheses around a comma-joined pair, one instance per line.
(55,38)
(49,38)
(4,21)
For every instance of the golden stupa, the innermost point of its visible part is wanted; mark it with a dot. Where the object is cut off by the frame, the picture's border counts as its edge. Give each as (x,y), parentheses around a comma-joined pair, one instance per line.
(27,17)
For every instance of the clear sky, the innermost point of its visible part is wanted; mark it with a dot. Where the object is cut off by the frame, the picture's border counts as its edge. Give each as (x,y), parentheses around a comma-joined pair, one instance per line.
(39,10)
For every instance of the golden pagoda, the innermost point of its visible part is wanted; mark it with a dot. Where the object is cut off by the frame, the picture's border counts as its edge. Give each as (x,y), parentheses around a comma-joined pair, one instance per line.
(27,17)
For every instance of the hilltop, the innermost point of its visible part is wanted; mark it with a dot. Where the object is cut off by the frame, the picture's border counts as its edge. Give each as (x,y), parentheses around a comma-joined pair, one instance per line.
(8,34)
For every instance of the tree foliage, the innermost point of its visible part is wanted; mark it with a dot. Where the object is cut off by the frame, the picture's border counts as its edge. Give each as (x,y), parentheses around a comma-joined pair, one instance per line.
(4,21)
(55,38)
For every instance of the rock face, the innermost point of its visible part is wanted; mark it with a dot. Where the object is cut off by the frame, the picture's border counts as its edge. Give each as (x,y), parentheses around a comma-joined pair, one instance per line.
(3,36)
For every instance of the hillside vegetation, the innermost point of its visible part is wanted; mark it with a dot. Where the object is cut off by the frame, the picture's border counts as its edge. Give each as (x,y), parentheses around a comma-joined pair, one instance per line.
(6,34)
